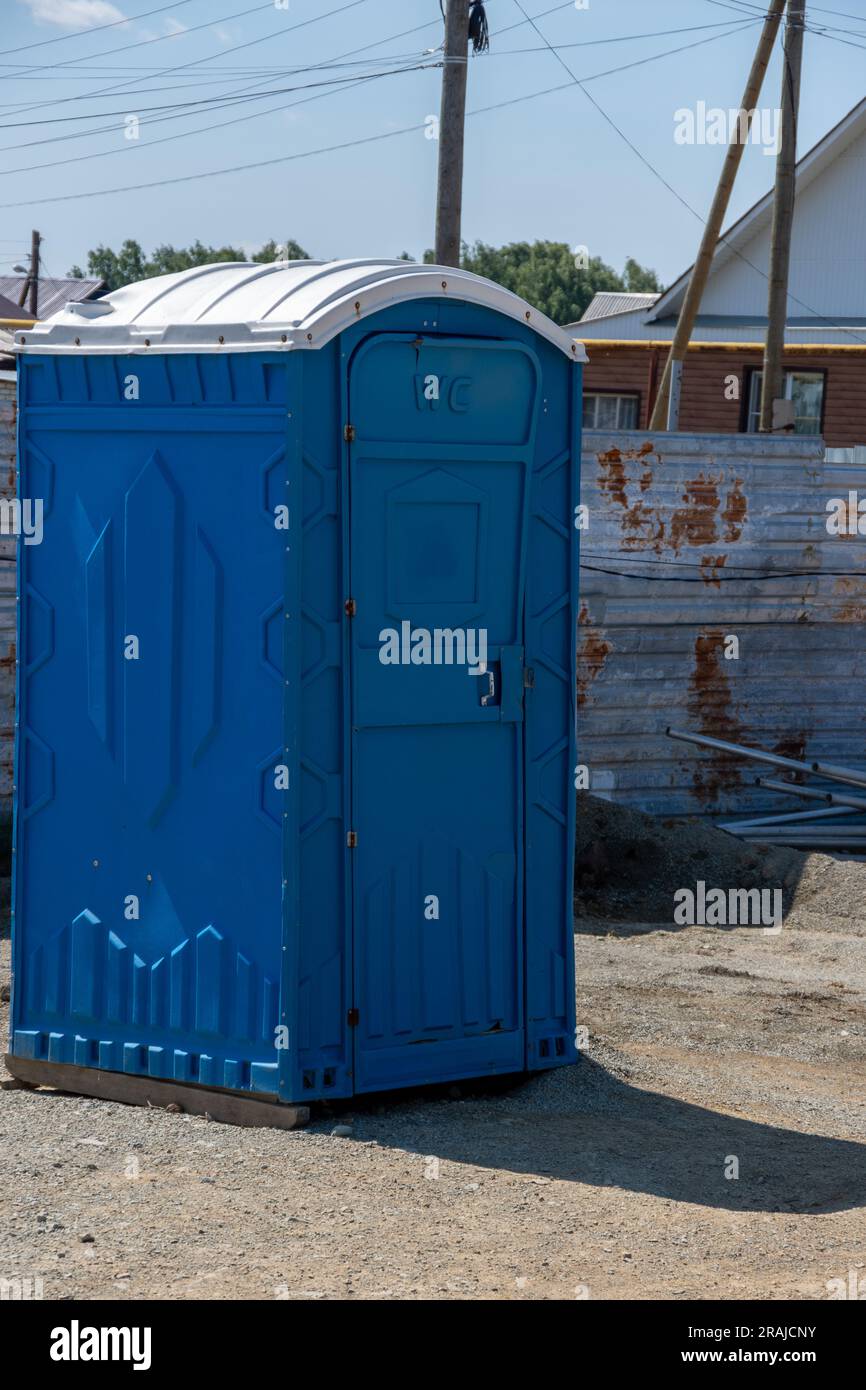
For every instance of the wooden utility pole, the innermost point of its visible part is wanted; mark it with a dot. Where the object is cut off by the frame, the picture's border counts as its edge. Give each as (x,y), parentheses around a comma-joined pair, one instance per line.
(35,243)
(31,284)
(783,213)
(449,203)
(703,263)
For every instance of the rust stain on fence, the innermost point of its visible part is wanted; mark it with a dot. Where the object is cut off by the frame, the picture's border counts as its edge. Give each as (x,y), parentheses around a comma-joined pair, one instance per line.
(592,653)
(735,513)
(710,566)
(696,523)
(711,705)
(853,591)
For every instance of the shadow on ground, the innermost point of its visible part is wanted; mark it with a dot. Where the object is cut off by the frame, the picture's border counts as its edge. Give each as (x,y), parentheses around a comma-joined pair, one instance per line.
(582,1124)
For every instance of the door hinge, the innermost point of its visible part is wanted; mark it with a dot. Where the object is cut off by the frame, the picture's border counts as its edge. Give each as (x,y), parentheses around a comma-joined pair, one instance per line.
(352,839)
(353,1018)
(349,434)
(350,607)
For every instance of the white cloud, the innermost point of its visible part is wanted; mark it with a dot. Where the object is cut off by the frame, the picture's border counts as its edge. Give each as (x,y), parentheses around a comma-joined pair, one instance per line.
(73,14)
(174,27)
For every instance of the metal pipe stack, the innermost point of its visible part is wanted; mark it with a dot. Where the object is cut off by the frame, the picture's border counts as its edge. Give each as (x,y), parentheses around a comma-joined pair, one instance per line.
(833,826)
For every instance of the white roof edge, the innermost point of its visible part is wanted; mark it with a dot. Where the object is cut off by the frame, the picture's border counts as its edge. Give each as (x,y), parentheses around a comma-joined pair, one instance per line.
(254,307)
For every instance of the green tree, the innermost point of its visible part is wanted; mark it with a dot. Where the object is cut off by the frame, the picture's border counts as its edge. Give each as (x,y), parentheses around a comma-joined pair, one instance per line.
(130,263)
(547,274)
(640,280)
(280,250)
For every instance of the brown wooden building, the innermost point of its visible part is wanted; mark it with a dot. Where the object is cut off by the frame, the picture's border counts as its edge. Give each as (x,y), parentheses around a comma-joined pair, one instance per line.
(721,387)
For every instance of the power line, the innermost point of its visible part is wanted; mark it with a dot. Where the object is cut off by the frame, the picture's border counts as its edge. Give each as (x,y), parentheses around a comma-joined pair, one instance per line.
(95,28)
(563,5)
(350,53)
(277,69)
(351,144)
(346,84)
(826,31)
(167,71)
(208,58)
(231,97)
(143,43)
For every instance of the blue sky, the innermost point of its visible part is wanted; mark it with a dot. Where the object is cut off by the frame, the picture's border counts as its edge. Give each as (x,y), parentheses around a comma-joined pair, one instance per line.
(550,167)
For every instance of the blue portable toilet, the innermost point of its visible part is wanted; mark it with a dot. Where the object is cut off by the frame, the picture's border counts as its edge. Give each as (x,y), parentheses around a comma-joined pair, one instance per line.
(296,689)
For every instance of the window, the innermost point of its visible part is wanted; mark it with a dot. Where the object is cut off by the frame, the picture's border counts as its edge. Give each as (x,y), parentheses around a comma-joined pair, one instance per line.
(606,411)
(805,389)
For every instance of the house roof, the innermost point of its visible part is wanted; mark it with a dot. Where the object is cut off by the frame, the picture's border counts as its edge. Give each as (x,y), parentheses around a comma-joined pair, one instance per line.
(812,164)
(625,321)
(245,306)
(11,309)
(53,294)
(607,302)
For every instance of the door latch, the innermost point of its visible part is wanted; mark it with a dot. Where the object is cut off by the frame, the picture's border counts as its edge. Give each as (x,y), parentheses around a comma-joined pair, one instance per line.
(491,685)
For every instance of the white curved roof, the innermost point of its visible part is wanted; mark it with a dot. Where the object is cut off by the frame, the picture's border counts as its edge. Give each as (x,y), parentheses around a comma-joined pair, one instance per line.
(244,306)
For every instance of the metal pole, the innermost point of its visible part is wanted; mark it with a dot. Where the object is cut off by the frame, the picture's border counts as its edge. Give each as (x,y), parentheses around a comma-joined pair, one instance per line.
(449,202)
(828,770)
(841,844)
(737,827)
(718,211)
(857,803)
(675,395)
(35,243)
(783,213)
(840,774)
(757,754)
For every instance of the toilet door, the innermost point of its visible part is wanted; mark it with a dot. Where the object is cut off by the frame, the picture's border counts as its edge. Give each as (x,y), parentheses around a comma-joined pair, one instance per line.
(440,454)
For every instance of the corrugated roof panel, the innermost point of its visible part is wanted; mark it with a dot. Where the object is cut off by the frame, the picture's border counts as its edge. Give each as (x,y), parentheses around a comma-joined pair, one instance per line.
(607,302)
(53,294)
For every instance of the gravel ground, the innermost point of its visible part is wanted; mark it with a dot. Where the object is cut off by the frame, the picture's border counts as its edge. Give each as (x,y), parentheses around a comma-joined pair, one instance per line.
(708,1049)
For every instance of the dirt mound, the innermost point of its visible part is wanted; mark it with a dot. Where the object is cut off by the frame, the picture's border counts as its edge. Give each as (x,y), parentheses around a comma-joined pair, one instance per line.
(629,865)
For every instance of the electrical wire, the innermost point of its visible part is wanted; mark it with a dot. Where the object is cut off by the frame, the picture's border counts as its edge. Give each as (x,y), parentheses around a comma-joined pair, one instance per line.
(215,102)
(231,97)
(328,149)
(350,53)
(208,58)
(347,85)
(823,30)
(96,28)
(714,577)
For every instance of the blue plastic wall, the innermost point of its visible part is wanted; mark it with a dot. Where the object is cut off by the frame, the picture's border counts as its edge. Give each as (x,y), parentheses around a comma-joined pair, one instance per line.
(200,724)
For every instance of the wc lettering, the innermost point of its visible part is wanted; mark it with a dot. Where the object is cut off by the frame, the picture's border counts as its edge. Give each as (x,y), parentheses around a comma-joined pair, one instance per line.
(432,392)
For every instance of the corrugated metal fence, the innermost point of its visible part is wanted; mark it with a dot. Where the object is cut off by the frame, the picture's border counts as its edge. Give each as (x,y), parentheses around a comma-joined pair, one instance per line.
(715,599)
